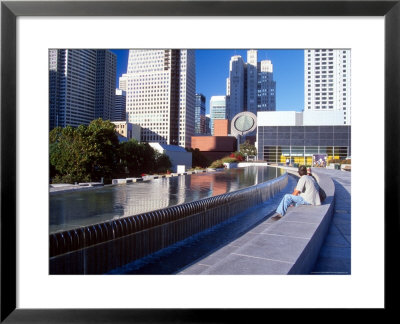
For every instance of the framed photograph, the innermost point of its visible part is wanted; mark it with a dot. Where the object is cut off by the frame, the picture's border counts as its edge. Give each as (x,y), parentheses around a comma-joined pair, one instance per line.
(30,28)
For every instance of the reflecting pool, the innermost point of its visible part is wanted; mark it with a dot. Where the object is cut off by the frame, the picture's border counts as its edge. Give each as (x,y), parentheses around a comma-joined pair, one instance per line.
(81,208)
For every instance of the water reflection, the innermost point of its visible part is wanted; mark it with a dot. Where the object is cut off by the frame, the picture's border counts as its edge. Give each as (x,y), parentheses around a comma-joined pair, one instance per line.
(74,209)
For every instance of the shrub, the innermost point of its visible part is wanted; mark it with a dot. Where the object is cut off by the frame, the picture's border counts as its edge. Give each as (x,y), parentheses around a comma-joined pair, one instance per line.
(217,164)
(196,168)
(238,156)
(70,179)
(248,149)
(229,159)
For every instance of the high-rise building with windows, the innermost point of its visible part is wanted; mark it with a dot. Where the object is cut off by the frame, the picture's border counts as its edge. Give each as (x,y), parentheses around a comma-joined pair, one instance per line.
(200,114)
(122,82)
(327,83)
(81,86)
(161,89)
(54,88)
(119,113)
(236,86)
(252,76)
(106,69)
(266,97)
(250,86)
(217,110)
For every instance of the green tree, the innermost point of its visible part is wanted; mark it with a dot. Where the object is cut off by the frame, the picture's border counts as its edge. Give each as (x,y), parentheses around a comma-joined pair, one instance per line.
(137,158)
(102,143)
(66,146)
(128,152)
(85,153)
(162,163)
(248,149)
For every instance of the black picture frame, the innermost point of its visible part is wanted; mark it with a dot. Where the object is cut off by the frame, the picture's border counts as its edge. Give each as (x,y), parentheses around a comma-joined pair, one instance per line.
(10,10)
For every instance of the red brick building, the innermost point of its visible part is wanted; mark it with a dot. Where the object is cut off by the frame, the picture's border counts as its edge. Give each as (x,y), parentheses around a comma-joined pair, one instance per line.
(221,127)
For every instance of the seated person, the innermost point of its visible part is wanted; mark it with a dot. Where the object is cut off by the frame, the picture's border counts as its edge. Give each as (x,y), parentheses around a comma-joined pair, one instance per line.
(310,174)
(305,193)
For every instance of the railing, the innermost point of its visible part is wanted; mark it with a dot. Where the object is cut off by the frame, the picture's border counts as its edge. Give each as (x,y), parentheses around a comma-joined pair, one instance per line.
(101,247)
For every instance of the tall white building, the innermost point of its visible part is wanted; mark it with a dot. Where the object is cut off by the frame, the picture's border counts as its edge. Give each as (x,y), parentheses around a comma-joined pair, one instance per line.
(327,80)
(250,86)
(122,82)
(161,89)
(217,110)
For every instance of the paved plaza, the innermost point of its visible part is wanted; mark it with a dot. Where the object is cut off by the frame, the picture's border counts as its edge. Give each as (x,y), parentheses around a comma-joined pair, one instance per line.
(335,254)
(263,250)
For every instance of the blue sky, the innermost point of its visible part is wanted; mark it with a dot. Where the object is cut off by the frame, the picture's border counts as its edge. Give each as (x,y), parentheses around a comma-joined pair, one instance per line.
(212,69)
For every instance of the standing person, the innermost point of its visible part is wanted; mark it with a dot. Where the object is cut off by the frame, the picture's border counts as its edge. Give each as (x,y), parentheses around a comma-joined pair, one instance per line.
(305,193)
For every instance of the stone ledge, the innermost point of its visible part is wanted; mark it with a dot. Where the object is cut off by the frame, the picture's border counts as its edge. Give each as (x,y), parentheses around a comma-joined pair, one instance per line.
(309,223)
(83,186)
(153,177)
(288,246)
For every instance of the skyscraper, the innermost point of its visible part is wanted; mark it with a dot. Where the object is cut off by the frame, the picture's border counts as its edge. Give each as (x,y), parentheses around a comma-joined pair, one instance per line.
(200,114)
(250,86)
(236,87)
(252,76)
(119,113)
(327,82)
(266,99)
(217,109)
(106,69)
(161,98)
(79,86)
(123,79)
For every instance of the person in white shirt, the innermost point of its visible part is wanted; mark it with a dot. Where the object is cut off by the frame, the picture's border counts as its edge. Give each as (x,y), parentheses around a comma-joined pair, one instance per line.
(305,193)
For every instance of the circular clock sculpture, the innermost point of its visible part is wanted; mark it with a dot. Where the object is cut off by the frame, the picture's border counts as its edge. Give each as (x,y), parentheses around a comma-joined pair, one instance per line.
(243,123)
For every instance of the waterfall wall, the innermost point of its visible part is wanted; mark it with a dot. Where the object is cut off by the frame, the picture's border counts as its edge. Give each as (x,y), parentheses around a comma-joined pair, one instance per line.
(102,247)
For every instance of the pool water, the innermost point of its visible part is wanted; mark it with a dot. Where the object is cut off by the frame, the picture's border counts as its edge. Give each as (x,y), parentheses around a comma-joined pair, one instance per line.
(81,208)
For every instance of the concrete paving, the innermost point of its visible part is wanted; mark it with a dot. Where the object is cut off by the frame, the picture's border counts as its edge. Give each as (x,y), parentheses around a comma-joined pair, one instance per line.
(250,253)
(272,249)
(335,253)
